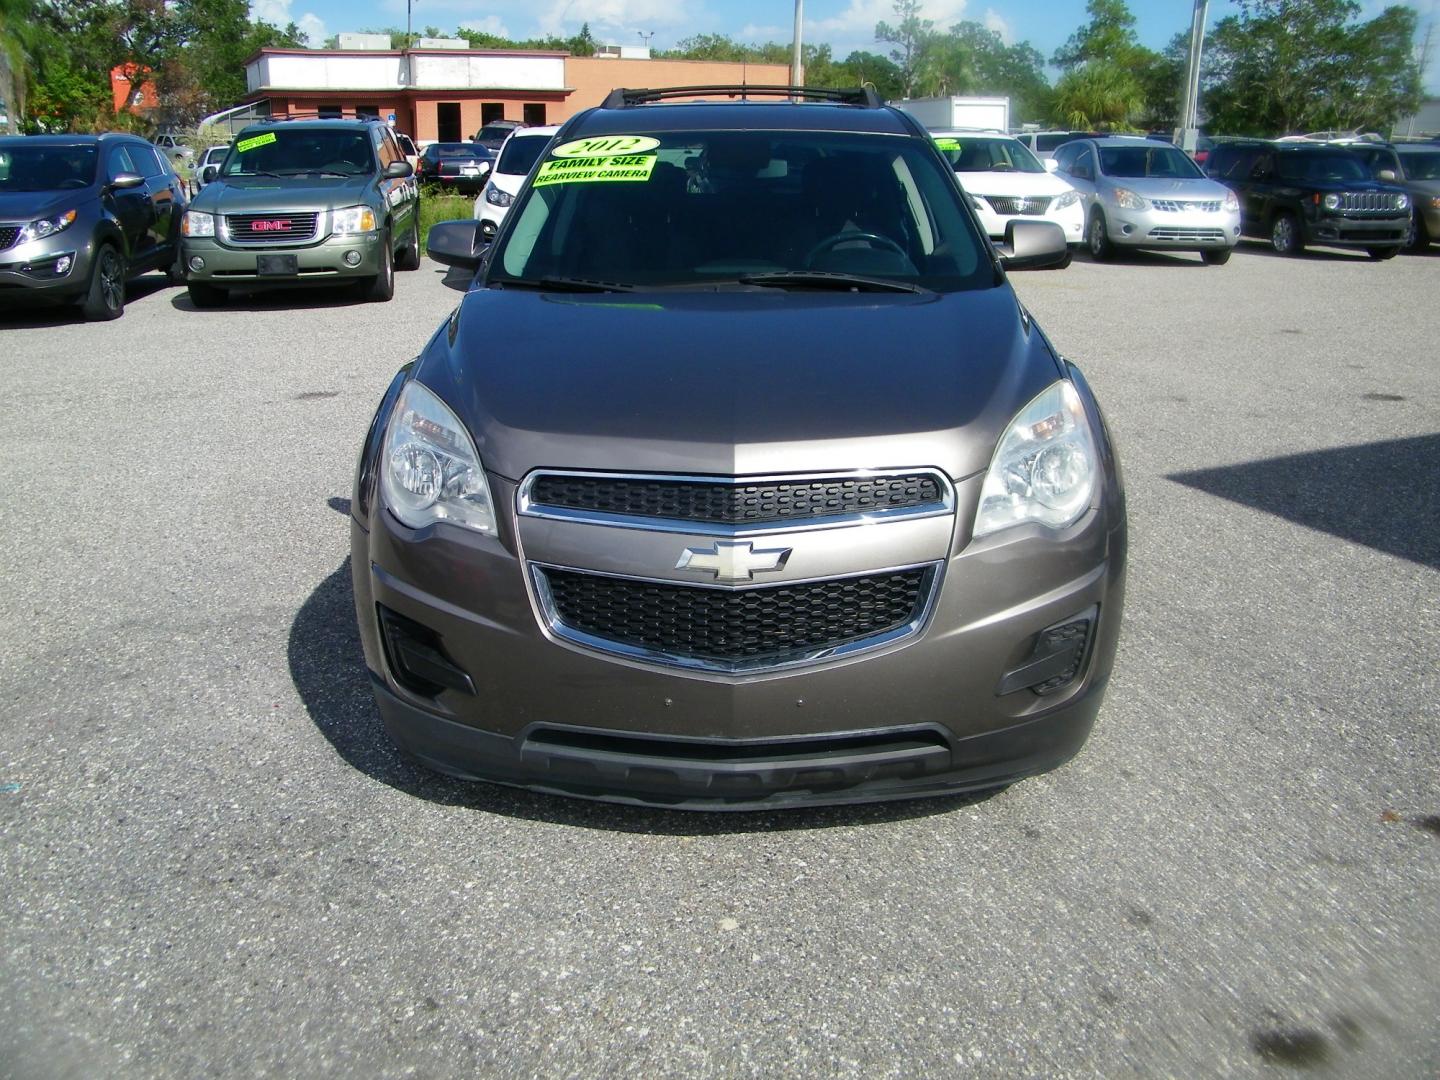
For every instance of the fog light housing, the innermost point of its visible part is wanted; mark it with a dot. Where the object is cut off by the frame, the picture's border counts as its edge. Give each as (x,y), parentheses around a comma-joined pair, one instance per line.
(197,263)
(62,265)
(352,258)
(1057,658)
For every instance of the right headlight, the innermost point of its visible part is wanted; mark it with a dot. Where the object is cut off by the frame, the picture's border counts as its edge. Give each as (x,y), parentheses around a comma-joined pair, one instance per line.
(429,470)
(197,223)
(1128,200)
(495,197)
(1045,468)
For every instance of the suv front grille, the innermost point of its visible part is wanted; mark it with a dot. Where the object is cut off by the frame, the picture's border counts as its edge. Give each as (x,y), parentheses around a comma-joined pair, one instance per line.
(1169,233)
(1008,205)
(1368,202)
(734,629)
(8,233)
(1177,206)
(268,228)
(736,503)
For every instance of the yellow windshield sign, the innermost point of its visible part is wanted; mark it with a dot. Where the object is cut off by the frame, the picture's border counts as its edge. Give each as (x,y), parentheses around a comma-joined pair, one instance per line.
(258,140)
(605,146)
(595,170)
(947,144)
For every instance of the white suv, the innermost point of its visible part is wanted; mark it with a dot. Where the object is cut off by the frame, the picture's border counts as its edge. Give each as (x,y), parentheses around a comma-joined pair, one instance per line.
(517,154)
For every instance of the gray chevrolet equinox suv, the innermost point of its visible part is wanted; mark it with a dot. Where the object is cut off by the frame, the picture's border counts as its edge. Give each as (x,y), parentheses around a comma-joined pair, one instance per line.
(776,494)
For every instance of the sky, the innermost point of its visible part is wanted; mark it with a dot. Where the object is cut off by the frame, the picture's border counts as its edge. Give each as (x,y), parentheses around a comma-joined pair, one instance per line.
(845,24)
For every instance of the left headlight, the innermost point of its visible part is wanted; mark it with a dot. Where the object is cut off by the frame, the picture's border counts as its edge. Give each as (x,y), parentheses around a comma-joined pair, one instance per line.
(1045,468)
(1068,198)
(353,219)
(43,227)
(1128,200)
(429,470)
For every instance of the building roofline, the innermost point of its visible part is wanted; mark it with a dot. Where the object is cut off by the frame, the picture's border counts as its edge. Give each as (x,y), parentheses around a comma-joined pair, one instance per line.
(546,54)
(263,92)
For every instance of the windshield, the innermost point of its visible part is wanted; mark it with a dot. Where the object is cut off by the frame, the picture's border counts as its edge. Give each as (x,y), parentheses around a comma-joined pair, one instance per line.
(520,153)
(495,131)
(1309,166)
(1142,161)
(1421,166)
(46,168)
(457,150)
(300,151)
(972,155)
(693,208)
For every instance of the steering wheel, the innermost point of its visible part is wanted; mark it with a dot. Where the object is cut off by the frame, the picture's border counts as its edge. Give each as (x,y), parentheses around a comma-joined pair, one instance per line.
(834,240)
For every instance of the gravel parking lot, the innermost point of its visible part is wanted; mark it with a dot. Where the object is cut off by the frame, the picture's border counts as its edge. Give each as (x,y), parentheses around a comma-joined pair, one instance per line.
(212,863)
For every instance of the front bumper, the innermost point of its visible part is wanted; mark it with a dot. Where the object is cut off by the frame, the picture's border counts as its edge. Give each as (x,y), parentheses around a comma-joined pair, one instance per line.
(1070,218)
(924,716)
(317,263)
(1161,230)
(37,270)
(1333,230)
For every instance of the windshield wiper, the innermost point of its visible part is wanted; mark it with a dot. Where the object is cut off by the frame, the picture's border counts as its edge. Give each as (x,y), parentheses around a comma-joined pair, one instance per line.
(567,284)
(825,279)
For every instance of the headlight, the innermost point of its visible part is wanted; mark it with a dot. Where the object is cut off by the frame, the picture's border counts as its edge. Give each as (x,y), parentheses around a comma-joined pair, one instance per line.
(495,197)
(1435,202)
(1232,201)
(1128,200)
(43,227)
(1331,201)
(352,219)
(1069,198)
(1402,202)
(197,223)
(1045,467)
(429,470)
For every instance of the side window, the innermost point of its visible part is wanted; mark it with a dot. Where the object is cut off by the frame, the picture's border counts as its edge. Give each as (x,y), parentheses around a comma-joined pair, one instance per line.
(385,149)
(1064,158)
(148,162)
(119,161)
(1084,165)
(1263,166)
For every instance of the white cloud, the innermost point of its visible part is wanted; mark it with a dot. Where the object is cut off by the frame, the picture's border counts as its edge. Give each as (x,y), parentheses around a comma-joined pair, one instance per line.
(278,13)
(491,24)
(860,17)
(617,20)
(755,32)
(996,22)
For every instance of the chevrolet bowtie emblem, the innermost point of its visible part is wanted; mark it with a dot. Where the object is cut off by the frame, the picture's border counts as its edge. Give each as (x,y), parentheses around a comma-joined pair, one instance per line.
(733,560)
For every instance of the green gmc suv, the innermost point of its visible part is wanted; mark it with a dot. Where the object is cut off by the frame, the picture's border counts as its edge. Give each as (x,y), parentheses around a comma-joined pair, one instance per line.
(300,202)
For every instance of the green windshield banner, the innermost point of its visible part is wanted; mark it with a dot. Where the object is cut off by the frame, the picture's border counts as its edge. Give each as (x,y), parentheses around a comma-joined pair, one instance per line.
(258,140)
(595,170)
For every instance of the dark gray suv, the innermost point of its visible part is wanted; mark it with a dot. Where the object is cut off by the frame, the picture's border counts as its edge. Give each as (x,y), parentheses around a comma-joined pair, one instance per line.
(80,215)
(775,494)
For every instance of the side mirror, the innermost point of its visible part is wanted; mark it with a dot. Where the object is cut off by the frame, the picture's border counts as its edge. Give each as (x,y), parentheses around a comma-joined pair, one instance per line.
(398,170)
(126,180)
(1030,245)
(1388,175)
(209,173)
(1051,164)
(458,243)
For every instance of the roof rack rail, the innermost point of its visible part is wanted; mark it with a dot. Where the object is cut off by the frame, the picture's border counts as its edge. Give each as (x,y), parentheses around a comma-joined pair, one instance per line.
(863,95)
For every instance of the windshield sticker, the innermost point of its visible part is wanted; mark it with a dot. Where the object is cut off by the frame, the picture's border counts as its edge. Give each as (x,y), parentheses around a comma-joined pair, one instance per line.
(947,144)
(594,169)
(258,140)
(605,146)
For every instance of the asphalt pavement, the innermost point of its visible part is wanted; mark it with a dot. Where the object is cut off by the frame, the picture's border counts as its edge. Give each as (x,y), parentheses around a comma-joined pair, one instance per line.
(213,863)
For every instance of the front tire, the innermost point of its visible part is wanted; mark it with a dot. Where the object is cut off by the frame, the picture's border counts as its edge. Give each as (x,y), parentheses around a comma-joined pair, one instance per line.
(1285,236)
(1419,237)
(409,258)
(1381,254)
(206,296)
(1097,237)
(105,299)
(1216,258)
(381,287)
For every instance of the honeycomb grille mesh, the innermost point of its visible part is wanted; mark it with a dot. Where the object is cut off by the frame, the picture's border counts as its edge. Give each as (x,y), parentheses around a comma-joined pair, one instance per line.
(733,627)
(738,503)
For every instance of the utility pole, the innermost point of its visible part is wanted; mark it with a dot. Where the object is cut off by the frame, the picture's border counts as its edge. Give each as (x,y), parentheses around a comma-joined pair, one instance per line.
(1187,133)
(409,60)
(797,67)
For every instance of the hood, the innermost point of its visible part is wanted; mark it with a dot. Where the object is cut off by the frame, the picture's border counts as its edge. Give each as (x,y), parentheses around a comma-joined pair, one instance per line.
(737,383)
(1154,187)
(257,194)
(1344,185)
(1012,183)
(29,205)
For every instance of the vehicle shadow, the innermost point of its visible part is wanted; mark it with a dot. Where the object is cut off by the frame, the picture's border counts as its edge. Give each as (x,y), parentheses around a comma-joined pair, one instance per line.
(453,277)
(42,313)
(297,299)
(328,670)
(1251,246)
(1379,494)
(1138,257)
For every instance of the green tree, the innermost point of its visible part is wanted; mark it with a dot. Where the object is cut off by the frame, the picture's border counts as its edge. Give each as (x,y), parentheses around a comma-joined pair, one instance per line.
(1105,70)
(1098,95)
(910,36)
(1283,66)
(1109,35)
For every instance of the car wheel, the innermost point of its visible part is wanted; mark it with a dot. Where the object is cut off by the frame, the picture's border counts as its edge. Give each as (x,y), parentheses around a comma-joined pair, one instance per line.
(1285,236)
(381,287)
(206,296)
(1381,254)
(105,298)
(1098,239)
(1216,258)
(409,258)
